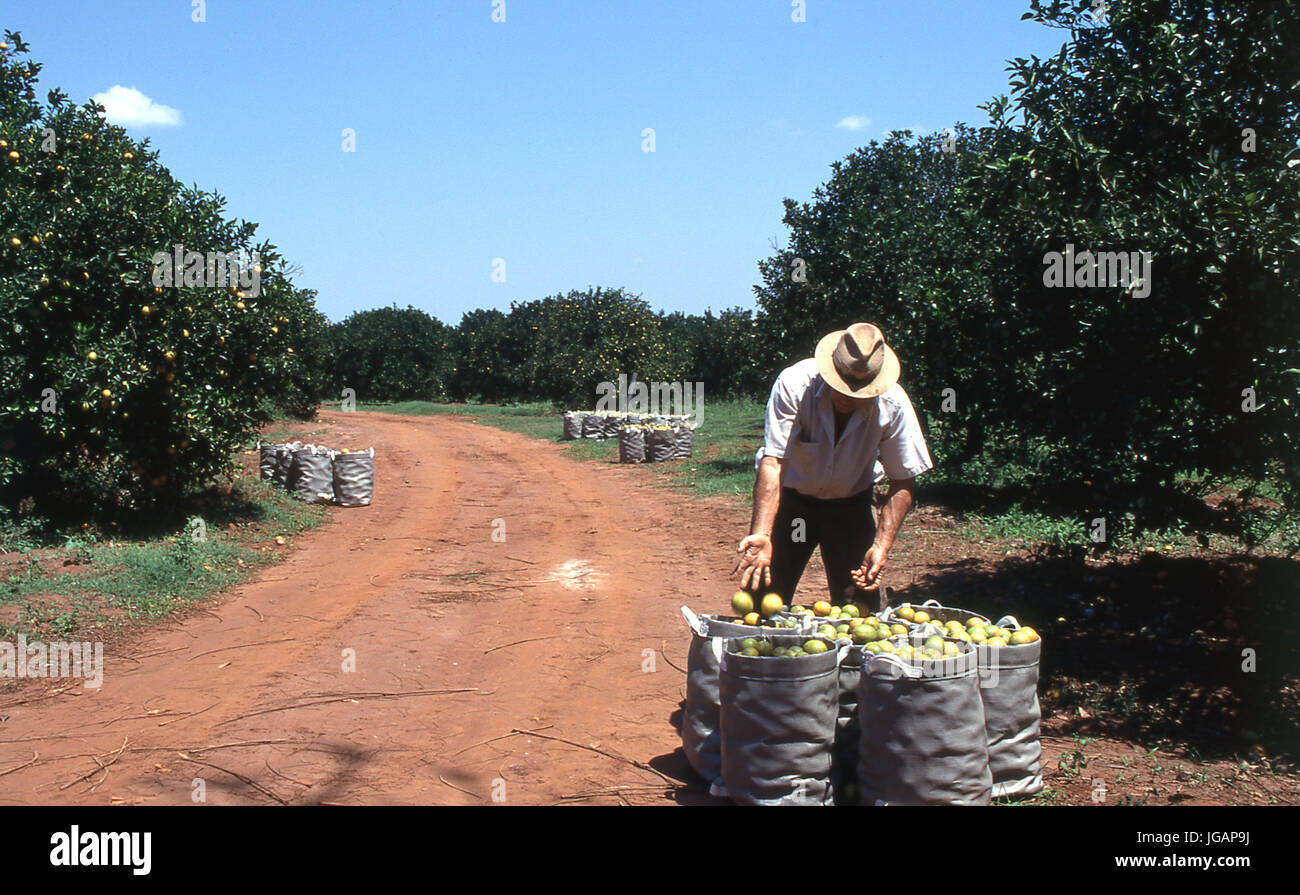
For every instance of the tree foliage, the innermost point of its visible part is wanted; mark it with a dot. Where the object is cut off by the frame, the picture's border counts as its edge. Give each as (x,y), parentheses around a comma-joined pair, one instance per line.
(114,392)
(1167,129)
(391,354)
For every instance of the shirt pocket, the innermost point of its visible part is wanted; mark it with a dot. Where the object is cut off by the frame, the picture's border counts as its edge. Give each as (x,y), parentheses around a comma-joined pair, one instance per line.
(805,467)
(803,434)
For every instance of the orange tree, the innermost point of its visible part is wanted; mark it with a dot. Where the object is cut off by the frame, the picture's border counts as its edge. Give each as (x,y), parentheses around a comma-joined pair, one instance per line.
(391,354)
(568,344)
(116,393)
(730,353)
(487,358)
(1163,134)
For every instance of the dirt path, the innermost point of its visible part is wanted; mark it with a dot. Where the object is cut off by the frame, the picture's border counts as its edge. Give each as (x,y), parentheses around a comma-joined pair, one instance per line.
(460,639)
(557,629)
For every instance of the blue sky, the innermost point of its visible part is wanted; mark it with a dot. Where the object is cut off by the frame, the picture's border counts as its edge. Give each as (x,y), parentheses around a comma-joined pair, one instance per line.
(522,140)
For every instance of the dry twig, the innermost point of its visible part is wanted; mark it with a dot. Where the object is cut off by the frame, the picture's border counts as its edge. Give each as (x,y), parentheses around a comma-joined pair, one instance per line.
(494,739)
(26,764)
(190,715)
(241,646)
(629,761)
(517,642)
(253,783)
(102,767)
(662,652)
(346,698)
(459,789)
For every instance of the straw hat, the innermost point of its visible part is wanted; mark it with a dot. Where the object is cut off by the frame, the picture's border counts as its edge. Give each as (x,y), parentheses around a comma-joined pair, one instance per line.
(857,362)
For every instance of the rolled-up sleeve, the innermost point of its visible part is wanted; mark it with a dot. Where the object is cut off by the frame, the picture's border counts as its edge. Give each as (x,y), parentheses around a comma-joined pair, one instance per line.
(903,451)
(782,408)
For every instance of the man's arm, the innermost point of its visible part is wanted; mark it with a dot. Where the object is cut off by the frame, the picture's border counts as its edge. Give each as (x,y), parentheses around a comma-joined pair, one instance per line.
(755,566)
(767,494)
(904,456)
(897,502)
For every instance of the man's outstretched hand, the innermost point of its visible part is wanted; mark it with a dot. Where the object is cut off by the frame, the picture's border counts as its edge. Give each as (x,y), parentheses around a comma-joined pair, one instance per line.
(755,566)
(868,576)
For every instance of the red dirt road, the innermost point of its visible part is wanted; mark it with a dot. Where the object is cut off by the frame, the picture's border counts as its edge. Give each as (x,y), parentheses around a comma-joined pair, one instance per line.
(554,630)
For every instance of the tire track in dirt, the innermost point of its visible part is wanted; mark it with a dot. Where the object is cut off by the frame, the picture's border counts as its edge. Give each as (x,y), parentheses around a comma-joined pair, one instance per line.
(548,630)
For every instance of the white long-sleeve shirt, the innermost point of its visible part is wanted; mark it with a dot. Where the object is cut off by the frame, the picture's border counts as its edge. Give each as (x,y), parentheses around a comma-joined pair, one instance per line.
(882,439)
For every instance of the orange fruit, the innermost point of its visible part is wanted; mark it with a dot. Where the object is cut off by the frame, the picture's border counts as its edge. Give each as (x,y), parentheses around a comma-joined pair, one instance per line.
(771,605)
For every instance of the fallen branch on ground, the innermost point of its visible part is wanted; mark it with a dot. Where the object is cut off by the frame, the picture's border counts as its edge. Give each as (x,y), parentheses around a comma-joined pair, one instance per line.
(102,767)
(460,789)
(345,698)
(257,786)
(634,763)
(662,652)
(503,736)
(35,756)
(241,646)
(517,642)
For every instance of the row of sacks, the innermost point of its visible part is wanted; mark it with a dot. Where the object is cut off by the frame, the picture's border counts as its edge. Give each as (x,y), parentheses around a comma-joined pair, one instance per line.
(600,424)
(655,444)
(852,726)
(318,474)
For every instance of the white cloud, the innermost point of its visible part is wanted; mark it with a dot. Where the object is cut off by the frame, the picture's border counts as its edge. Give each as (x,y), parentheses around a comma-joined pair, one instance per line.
(854,122)
(129,107)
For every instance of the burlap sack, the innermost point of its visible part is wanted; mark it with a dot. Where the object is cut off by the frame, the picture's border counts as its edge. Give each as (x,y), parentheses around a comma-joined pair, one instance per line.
(1009,690)
(660,445)
(683,442)
(284,463)
(267,460)
(701,731)
(844,759)
(778,717)
(936,610)
(631,444)
(922,731)
(312,474)
(354,479)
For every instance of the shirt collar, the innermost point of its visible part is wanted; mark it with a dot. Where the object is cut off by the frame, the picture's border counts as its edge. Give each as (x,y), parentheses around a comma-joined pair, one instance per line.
(819,392)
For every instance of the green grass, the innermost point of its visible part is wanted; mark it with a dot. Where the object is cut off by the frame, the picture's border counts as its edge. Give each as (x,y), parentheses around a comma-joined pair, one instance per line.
(1046,796)
(986,498)
(93,587)
(725,443)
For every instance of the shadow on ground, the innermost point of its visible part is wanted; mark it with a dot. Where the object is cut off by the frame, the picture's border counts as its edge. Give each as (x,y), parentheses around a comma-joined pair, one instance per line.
(1197,652)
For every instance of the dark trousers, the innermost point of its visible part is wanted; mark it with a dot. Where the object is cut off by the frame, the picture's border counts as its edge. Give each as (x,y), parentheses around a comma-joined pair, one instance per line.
(844,529)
